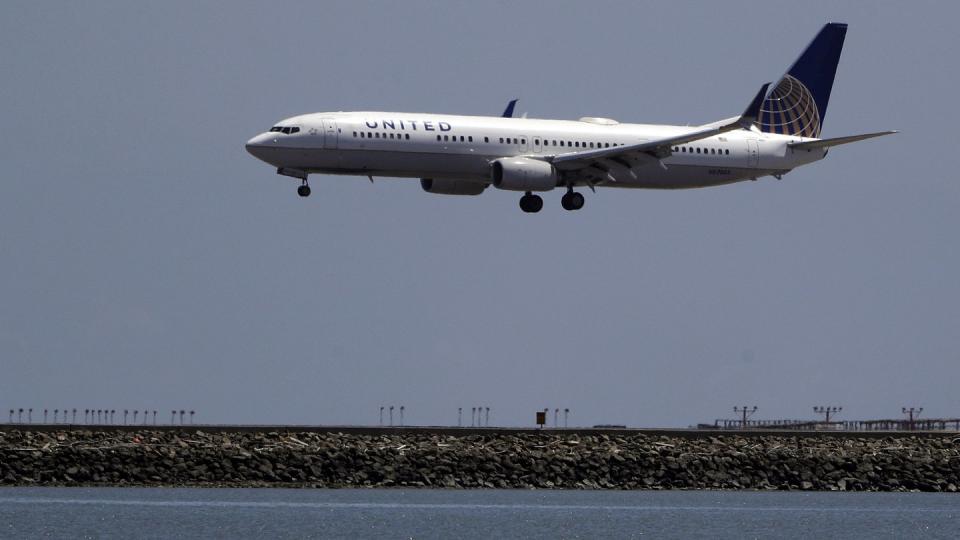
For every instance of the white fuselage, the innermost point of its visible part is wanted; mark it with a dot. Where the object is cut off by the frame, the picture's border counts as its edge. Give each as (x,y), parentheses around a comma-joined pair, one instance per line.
(463,148)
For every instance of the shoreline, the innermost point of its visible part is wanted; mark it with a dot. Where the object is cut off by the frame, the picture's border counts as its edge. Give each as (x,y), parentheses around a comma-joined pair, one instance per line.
(137,457)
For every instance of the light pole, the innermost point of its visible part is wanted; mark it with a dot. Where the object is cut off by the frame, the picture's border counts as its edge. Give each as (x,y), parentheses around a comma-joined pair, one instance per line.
(473,415)
(745,412)
(154,417)
(391,416)
(401,414)
(191,416)
(827,411)
(44,416)
(20,416)
(381,415)
(566,413)
(912,412)
(459,416)
(173,417)
(74,417)
(556,416)
(182,412)
(486,421)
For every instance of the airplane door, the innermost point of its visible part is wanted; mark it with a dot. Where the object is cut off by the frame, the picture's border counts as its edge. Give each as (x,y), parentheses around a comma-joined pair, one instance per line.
(331,133)
(753,153)
(537,146)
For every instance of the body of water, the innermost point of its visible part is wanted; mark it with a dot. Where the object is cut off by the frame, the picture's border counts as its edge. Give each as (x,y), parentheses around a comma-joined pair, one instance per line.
(395,513)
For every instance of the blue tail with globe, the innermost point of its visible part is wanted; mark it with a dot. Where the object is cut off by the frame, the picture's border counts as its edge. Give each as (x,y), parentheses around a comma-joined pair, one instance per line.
(797,105)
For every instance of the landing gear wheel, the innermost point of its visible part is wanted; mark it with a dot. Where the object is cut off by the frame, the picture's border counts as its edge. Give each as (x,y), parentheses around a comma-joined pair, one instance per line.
(531,203)
(303,191)
(577,199)
(572,200)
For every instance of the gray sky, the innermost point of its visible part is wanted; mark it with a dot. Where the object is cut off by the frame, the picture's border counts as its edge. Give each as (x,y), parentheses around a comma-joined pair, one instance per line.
(149,262)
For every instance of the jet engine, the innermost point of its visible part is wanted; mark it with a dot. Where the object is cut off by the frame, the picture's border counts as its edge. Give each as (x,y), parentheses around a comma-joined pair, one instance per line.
(523,174)
(446,186)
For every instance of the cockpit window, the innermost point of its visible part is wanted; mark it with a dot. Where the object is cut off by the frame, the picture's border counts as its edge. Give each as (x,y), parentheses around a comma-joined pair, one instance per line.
(285,129)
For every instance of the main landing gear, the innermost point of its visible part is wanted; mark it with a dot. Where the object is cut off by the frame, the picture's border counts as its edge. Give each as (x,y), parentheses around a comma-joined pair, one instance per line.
(572,200)
(304,189)
(531,203)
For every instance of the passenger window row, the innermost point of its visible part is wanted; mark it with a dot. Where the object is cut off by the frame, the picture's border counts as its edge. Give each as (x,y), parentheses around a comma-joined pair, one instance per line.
(453,138)
(578,144)
(699,150)
(515,140)
(378,135)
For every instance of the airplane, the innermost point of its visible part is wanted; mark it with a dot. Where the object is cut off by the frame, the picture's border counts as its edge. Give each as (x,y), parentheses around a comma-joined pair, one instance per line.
(464,155)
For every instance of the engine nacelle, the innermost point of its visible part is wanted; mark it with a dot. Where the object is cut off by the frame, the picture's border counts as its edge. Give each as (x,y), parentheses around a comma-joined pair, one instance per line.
(523,174)
(446,186)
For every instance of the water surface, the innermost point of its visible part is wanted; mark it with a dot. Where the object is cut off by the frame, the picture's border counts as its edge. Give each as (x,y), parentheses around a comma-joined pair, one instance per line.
(426,513)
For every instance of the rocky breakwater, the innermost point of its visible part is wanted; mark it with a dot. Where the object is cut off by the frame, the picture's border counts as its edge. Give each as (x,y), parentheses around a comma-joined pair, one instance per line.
(502,460)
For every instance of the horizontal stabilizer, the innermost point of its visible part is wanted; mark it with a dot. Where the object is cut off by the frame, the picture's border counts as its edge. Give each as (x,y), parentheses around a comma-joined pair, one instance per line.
(827,143)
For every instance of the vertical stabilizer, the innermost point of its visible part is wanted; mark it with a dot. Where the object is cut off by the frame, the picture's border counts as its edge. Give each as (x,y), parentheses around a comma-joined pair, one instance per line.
(798,103)
(508,112)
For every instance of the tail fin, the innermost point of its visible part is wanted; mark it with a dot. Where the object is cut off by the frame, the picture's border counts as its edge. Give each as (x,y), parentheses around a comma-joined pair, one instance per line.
(508,112)
(798,103)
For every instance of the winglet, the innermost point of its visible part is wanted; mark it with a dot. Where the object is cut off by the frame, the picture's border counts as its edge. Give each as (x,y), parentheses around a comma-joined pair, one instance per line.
(749,116)
(508,112)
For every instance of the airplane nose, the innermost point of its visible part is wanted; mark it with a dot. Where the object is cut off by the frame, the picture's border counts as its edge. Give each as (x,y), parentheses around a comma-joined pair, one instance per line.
(257,142)
(259,146)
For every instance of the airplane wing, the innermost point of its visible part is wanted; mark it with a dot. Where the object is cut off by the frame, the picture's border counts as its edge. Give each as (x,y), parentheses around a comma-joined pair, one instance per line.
(659,148)
(827,143)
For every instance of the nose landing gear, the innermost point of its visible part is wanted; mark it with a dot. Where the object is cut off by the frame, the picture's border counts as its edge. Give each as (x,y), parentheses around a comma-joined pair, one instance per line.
(304,189)
(531,203)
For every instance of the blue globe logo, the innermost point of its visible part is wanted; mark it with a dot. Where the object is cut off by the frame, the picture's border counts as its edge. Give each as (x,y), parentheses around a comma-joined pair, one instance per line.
(790,110)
